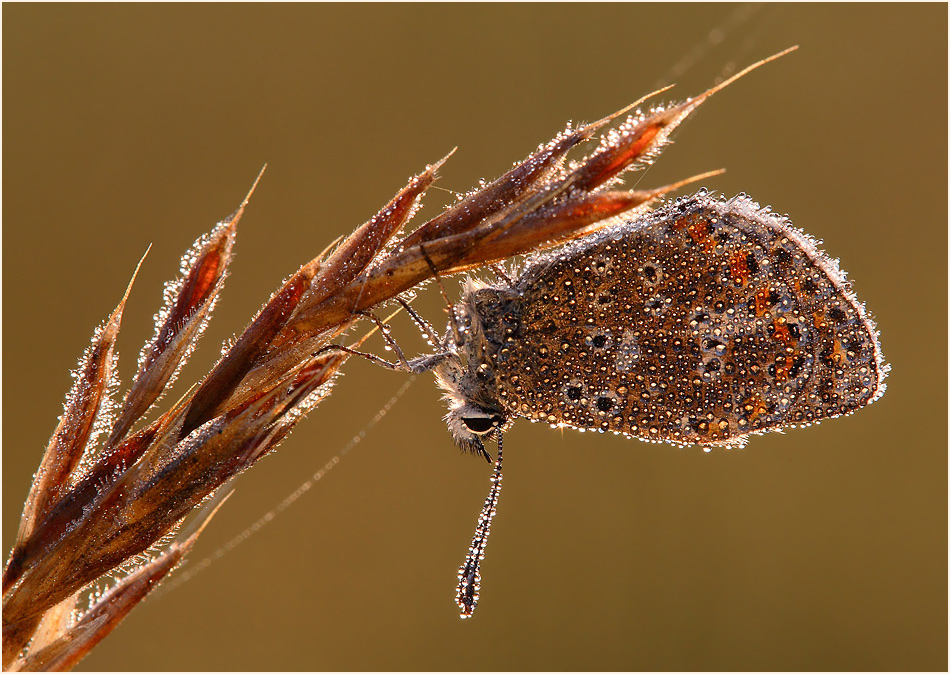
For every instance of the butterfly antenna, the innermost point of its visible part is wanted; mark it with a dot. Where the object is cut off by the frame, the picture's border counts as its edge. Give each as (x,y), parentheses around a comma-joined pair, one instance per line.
(470,577)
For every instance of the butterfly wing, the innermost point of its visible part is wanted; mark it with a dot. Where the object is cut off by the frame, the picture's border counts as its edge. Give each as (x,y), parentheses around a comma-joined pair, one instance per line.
(702,322)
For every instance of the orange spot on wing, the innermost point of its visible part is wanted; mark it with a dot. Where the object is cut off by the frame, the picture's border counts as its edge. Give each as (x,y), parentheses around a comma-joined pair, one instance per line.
(739,268)
(762,301)
(682,223)
(753,407)
(699,231)
(781,332)
(838,354)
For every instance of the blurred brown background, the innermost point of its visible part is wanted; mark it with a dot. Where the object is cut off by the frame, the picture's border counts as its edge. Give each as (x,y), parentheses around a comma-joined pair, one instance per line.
(824,548)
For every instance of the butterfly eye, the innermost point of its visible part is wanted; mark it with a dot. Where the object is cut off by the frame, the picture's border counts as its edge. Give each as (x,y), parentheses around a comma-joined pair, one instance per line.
(481,424)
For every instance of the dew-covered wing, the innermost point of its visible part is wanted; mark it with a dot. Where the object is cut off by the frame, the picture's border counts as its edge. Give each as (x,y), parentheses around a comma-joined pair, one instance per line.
(702,322)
